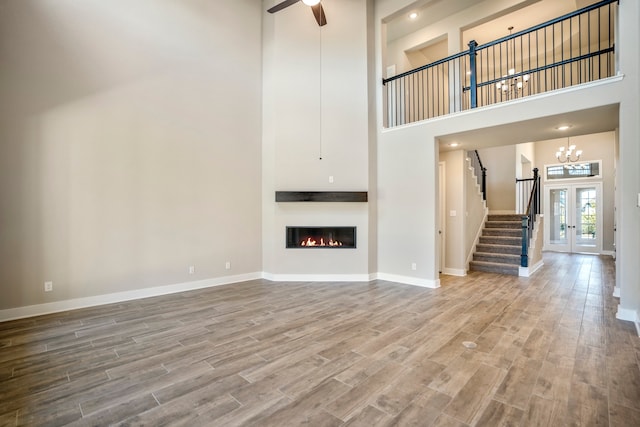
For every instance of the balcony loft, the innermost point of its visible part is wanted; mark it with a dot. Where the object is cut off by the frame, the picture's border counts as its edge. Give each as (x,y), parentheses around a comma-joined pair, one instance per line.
(573,49)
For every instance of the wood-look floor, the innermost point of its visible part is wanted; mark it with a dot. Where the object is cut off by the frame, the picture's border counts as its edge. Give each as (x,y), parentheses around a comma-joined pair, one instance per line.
(549,353)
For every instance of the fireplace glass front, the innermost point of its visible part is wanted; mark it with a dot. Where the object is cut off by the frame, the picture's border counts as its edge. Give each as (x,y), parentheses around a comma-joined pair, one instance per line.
(321,237)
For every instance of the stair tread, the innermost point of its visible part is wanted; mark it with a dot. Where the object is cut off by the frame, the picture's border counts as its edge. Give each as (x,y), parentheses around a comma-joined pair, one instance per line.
(502,238)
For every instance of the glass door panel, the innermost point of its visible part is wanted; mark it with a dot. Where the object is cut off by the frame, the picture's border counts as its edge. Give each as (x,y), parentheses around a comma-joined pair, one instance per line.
(558,233)
(587,218)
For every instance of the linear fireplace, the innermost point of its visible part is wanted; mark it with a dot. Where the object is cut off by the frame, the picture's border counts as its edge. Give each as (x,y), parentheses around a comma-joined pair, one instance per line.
(321,237)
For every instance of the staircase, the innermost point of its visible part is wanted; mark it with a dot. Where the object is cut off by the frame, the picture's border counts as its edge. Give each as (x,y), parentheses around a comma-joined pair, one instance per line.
(500,245)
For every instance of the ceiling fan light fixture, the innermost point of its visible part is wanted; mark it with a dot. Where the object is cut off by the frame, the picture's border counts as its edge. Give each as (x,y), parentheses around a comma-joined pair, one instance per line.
(311,2)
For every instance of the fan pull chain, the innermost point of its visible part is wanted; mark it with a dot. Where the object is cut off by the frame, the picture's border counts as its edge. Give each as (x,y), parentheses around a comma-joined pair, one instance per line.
(320,96)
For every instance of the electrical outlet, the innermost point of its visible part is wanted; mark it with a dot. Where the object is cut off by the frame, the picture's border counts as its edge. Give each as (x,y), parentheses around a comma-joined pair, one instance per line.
(227,265)
(192,269)
(414,266)
(330,179)
(48,286)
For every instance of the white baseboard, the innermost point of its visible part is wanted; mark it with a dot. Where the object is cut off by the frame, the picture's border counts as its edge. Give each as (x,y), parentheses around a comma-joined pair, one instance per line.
(318,277)
(528,271)
(629,315)
(425,283)
(612,254)
(616,292)
(460,272)
(76,303)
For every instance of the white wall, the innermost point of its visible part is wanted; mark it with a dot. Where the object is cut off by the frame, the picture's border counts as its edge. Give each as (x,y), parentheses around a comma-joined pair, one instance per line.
(316,125)
(455,219)
(525,152)
(129,145)
(628,244)
(501,176)
(407,205)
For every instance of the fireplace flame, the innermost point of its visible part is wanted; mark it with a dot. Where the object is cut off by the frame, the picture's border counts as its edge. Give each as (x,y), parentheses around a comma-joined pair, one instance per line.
(312,242)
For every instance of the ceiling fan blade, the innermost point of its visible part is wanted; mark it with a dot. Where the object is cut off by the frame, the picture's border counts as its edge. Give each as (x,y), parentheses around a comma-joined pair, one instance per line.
(318,12)
(280,6)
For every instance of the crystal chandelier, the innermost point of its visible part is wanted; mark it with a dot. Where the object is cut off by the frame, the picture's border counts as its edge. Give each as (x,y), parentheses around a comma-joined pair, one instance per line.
(568,154)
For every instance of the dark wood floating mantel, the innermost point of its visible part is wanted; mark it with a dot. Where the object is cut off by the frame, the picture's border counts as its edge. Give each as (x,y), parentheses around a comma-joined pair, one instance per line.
(321,196)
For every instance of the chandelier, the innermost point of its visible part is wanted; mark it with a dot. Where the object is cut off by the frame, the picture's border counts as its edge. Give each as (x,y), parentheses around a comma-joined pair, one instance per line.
(568,154)
(512,83)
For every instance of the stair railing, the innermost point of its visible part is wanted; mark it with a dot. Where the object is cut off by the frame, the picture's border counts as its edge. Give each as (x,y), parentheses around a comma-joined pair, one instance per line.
(480,171)
(575,48)
(523,193)
(529,218)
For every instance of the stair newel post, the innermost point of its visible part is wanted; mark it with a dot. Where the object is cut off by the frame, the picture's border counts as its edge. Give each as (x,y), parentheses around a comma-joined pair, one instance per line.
(524,257)
(474,78)
(536,197)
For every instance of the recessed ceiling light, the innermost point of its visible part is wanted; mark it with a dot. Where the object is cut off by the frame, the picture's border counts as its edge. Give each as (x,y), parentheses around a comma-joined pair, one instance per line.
(413,15)
(563,127)
(311,2)
(453,144)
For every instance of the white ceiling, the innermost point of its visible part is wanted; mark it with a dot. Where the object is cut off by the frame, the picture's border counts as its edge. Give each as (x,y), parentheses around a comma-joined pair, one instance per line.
(582,122)
(532,13)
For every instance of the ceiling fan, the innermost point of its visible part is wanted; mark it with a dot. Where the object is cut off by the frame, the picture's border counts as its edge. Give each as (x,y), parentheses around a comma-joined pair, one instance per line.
(316,7)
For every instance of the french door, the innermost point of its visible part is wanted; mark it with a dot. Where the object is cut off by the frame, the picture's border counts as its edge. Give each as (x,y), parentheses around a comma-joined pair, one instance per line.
(573,217)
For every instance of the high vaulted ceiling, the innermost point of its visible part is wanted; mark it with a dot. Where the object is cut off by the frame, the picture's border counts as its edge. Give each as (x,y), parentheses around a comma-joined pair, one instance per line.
(530,13)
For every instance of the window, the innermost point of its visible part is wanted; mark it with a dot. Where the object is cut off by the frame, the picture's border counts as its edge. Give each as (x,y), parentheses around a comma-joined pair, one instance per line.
(573,170)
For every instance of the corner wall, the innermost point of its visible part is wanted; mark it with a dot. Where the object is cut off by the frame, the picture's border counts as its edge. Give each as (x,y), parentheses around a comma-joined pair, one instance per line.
(628,179)
(316,135)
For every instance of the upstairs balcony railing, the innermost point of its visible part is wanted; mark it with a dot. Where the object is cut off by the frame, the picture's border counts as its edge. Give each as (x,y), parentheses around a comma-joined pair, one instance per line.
(572,49)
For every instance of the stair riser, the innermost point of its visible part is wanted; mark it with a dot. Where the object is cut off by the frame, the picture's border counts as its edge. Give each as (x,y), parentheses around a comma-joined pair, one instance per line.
(494,269)
(508,232)
(501,249)
(504,218)
(510,260)
(495,240)
(503,224)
